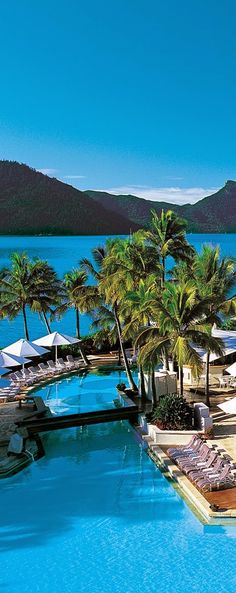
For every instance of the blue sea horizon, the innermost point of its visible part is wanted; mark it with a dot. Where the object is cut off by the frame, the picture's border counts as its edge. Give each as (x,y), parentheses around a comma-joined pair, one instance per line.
(64,253)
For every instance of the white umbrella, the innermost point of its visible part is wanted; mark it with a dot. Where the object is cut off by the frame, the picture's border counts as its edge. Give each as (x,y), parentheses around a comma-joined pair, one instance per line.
(56,339)
(25,348)
(232,369)
(229,407)
(8,360)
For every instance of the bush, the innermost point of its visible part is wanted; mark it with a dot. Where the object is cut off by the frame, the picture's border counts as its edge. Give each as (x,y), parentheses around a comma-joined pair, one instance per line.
(172,413)
(121,386)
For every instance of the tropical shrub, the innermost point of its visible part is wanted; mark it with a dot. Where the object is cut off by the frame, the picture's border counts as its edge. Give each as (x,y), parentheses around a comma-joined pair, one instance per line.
(172,413)
(121,387)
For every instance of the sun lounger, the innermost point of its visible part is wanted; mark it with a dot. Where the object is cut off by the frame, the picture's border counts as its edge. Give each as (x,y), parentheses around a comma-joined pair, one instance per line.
(61,364)
(172,450)
(218,480)
(33,371)
(216,467)
(17,377)
(74,362)
(44,369)
(52,366)
(191,461)
(202,465)
(27,376)
(193,446)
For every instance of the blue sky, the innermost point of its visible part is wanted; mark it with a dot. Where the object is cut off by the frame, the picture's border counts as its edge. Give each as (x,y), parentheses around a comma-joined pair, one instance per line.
(128,95)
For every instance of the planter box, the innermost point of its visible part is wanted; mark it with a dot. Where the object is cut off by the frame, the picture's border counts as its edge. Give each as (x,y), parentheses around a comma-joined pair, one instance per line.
(169,437)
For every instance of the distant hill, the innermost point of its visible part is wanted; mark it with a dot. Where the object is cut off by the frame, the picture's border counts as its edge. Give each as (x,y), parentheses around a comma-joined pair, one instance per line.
(213,214)
(33,203)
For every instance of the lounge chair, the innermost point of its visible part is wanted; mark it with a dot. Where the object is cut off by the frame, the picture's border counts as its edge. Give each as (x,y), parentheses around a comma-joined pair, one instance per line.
(203,465)
(218,480)
(216,467)
(52,366)
(28,376)
(192,460)
(193,446)
(44,369)
(74,362)
(18,378)
(61,364)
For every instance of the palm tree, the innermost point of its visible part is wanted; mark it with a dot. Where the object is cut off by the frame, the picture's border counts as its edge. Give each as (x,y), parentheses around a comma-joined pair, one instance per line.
(126,263)
(215,278)
(78,296)
(30,284)
(178,316)
(104,325)
(104,272)
(168,236)
(51,292)
(74,281)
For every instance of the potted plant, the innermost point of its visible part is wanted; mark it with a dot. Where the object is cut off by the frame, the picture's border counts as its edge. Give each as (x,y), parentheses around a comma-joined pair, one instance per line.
(121,387)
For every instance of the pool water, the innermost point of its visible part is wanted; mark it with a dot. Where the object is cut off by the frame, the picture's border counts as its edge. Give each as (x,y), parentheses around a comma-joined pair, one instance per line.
(86,391)
(96,515)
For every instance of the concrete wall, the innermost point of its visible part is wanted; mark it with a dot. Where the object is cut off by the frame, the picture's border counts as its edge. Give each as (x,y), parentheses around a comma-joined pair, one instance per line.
(170,437)
(165,382)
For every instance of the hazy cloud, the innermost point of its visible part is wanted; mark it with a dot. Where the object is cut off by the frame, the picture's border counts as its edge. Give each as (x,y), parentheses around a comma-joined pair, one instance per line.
(73,176)
(48,172)
(172,195)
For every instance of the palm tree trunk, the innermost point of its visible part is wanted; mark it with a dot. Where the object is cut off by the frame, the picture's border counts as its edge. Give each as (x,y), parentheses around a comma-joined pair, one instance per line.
(82,352)
(26,331)
(127,368)
(142,382)
(163,272)
(46,322)
(119,356)
(77,323)
(207,379)
(181,383)
(83,356)
(154,393)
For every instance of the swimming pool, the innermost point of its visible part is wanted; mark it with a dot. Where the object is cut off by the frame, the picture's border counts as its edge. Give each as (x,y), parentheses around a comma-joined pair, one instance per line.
(96,515)
(86,391)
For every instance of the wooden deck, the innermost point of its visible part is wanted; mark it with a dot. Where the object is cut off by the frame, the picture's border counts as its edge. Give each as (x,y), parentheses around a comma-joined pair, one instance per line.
(225,499)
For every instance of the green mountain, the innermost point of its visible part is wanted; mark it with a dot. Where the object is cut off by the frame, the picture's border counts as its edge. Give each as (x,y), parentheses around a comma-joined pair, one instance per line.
(213,214)
(32,203)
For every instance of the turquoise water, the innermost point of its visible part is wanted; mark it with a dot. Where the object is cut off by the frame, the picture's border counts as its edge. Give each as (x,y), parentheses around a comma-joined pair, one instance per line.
(83,392)
(96,515)
(64,253)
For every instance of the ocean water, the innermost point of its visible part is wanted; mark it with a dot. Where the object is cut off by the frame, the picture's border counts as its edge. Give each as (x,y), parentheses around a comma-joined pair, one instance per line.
(64,253)
(96,515)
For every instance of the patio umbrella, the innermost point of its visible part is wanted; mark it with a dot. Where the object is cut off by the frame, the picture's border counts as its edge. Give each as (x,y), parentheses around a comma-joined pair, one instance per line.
(25,348)
(56,339)
(8,360)
(232,369)
(228,407)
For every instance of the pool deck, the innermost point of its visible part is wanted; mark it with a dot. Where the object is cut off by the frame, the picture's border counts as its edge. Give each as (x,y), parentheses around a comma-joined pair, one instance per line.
(225,439)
